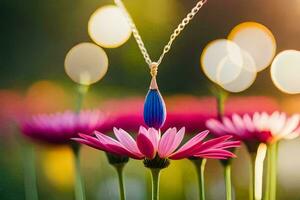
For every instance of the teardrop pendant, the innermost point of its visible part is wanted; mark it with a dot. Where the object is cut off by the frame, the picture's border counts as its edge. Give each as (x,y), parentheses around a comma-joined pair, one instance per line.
(154,107)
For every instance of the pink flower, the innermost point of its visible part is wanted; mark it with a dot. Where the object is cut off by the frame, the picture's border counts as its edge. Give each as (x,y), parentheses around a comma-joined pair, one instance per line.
(188,111)
(60,127)
(125,113)
(149,143)
(259,128)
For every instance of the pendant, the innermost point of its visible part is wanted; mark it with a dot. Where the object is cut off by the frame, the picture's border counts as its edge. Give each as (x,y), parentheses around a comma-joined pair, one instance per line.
(154,107)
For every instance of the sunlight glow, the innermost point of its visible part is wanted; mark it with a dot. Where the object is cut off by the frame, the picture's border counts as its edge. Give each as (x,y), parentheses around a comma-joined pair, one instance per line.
(46,96)
(285,71)
(86,63)
(257,40)
(245,78)
(108,27)
(221,51)
(226,64)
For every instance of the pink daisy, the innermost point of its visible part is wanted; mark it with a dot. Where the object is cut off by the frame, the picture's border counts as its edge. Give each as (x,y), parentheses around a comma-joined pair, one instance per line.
(149,144)
(192,114)
(259,128)
(60,127)
(188,111)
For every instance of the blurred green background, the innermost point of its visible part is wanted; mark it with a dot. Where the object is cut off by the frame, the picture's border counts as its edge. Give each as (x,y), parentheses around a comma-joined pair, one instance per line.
(37,34)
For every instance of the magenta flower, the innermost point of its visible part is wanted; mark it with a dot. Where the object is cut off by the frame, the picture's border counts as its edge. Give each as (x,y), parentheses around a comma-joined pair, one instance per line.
(149,144)
(188,111)
(60,127)
(259,128)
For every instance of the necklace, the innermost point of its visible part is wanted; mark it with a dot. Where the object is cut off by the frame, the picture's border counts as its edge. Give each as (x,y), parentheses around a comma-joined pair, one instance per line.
(154,106)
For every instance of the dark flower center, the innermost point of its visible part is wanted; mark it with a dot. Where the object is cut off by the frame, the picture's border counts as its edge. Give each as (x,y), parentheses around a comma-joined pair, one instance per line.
(156,163)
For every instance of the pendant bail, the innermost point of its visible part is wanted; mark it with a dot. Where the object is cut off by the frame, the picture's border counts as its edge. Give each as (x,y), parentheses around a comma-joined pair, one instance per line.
(153,69)
(153,72)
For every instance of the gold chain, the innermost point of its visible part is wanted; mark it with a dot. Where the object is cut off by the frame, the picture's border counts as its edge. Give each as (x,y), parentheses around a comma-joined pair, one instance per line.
(174,35)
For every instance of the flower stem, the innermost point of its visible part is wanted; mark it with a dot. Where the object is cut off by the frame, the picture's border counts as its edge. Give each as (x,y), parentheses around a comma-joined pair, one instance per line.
(119,169)
(31,192)
(227,176)
(200,167)
(268,170)
(273,170)
(252,177)
(82,90)
(79,184)
(155,175)
(271,177)
(221,98)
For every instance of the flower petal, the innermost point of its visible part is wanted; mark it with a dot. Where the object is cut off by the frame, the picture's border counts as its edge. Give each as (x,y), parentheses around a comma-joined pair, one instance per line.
(154,136)
(229,125)
(290,126)
(93,140)
(213,143)
(187,149)
(106,139)
(166,142)
(249,123)
(120,150)
(239,124)
(145,146)
(127,141)
(216,127)
(115,146)
(229,144)
(89,143)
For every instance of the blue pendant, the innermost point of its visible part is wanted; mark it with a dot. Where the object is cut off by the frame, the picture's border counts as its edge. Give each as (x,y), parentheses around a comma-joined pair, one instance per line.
(154,108)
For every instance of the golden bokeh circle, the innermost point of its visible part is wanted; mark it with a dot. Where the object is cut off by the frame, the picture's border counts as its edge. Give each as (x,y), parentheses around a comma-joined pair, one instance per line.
(257,40)
(285,71)
(215,52)
(108,28)
(86,63)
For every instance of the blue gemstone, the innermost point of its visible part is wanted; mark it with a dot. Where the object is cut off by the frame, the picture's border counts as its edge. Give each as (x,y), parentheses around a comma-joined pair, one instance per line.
(154,109)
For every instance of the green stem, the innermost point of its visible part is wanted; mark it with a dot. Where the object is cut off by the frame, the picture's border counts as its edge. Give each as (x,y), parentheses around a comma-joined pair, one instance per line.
(271,178)
(82,90)
(119,169)
(155,175)
(200,167)
(252,177)
(31,192)
(79,184)
(227,176)
(268,175)
(273,170)
(221,98)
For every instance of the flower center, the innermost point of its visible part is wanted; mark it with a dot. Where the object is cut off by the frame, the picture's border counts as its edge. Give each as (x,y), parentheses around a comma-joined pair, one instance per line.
(156,163)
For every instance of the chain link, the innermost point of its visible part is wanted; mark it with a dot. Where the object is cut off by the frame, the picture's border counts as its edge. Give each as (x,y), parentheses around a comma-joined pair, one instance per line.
(174,35)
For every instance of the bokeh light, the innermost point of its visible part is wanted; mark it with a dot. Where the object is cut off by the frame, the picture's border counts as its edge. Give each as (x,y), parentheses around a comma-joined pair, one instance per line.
(257,40)
(58,166)
(221,51)
(245,78)
(86,63)
(226,64)
(290,105)
(46,96)
(108,27)
(285,71)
